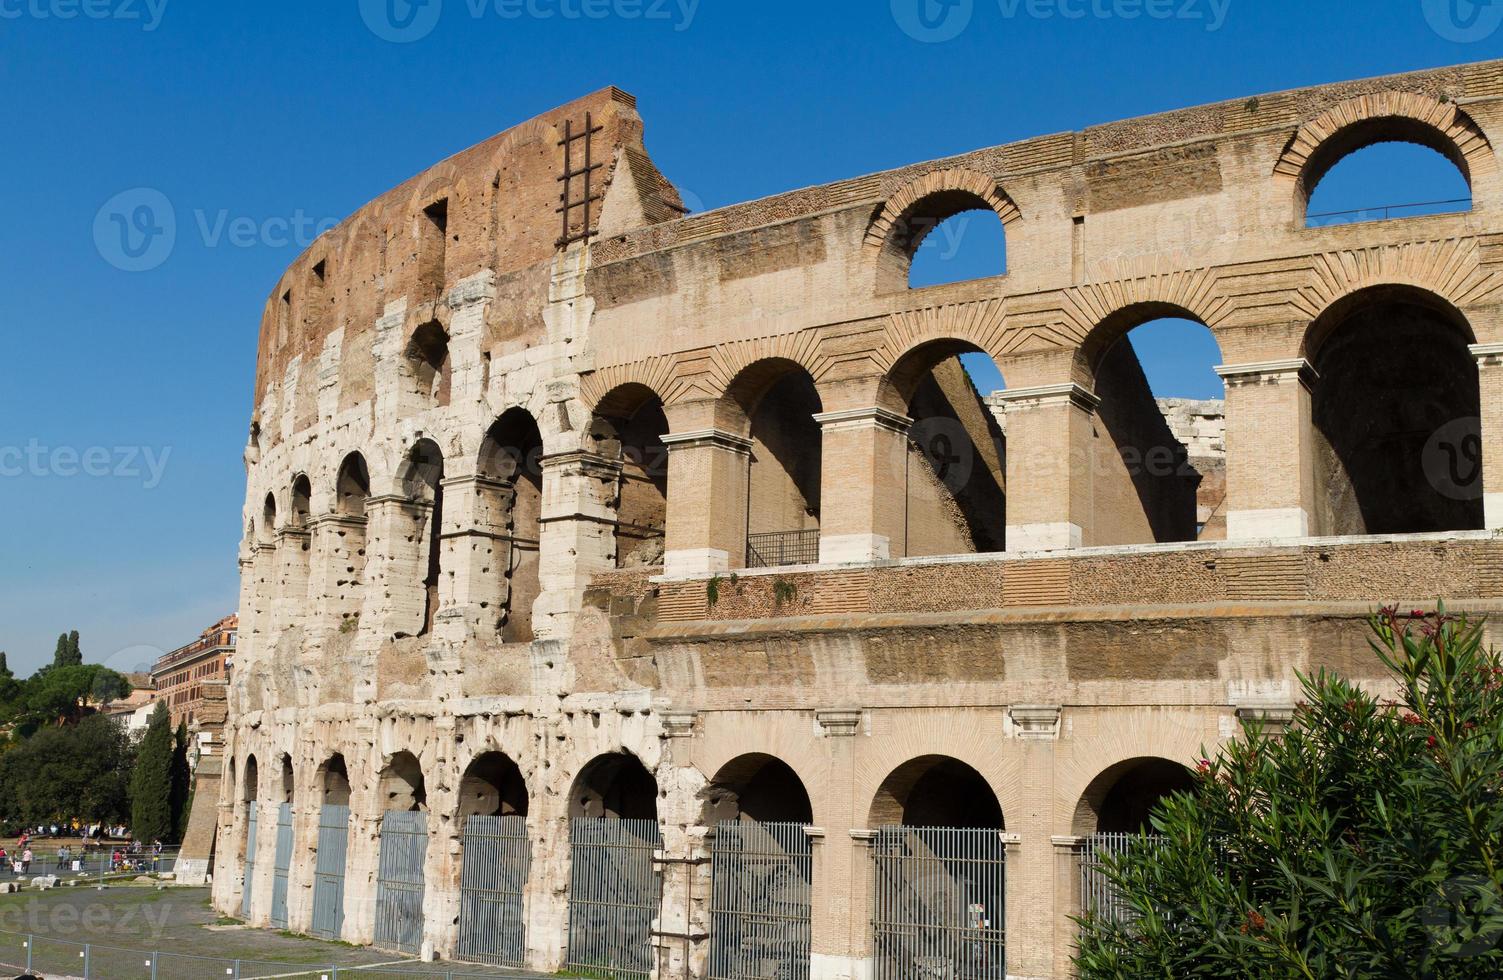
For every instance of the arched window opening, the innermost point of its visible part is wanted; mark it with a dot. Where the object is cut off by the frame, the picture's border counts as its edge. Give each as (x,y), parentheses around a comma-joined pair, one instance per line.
(288,783)
(268,531)
(353,486)
(302,501)
(1160,434)
(936,791)
(1396,408)
(630,426)
(1390,179)
(757,787)
(968,245)
(1122,799)
(422,482)
(251,790)
(615,785)
(401,785)
(512,502)
(778,401)
(334,778)
(427,358)
(492,786)
(955,473)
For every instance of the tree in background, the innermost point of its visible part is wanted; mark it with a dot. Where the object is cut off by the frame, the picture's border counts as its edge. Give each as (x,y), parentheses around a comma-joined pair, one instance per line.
(180,782)
(59,695)
(62,773)
(1366,842)
(4,666)
(151,817)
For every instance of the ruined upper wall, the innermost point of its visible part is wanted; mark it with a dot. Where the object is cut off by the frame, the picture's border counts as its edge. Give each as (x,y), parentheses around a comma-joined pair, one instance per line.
(503,197)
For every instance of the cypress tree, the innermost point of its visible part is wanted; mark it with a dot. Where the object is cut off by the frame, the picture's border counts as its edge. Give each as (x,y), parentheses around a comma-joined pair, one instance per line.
(60,652)
(4,667)
(75,655)
(180,782)
(151,782)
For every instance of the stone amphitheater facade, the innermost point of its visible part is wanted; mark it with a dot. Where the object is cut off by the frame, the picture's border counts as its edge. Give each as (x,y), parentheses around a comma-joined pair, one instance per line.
(564,505)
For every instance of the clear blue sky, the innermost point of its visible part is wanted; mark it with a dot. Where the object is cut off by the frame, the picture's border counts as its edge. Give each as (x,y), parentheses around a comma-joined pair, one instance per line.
(269,111)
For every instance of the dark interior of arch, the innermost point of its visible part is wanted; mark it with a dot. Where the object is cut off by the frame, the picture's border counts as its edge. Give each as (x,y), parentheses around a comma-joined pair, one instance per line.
(353,486)
(512,455)
(1396,408)
(786,459)
(252,781)
(288,783)
(493,786)
(936,791)
(402,786)
(428,361)
(302,494)
(423,480)
(336,782)
(757,787)
(269,519)
(615,785)
(631,430)
(957,468)
(1128,803)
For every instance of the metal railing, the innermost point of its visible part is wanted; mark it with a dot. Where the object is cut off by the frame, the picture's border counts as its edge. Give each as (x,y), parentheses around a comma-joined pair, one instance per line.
(1098,896)
(774,549)
(761,878)
(45,956)
(1387,211)
(95,863)
(938,909)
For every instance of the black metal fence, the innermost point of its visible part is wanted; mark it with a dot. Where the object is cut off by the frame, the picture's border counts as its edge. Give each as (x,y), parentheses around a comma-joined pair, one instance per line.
(774,549)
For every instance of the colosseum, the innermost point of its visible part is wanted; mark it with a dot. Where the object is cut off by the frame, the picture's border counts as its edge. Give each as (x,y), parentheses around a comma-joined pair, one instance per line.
(652,594)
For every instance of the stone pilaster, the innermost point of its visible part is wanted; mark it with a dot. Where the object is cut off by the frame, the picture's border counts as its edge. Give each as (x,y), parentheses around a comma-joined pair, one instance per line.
(706,519)
(578,534)
(1270,450)
(396,563)
(476,548)
(1049,466)
(1490,387)
(862,512)
(337,568)
(291,603)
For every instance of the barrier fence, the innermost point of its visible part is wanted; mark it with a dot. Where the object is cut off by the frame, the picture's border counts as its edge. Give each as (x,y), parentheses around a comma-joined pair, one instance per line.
(95,863)
(615,892)
(1098,896)
(760,876)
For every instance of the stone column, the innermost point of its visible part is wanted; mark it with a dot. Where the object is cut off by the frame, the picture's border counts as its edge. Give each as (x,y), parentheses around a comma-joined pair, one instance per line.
(397,563)
(1067,898)
(1270,450)
(262,596)
(291,602)
(337,569)
(578,534)
(1490,384)
(708,473)
(477,544)
(862,495)
(1049,466)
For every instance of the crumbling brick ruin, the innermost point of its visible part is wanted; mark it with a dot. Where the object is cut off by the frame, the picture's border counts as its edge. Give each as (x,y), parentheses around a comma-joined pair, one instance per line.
(569,513)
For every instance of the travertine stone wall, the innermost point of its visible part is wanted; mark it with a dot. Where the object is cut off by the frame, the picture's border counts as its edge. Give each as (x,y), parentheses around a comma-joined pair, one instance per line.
(504,458)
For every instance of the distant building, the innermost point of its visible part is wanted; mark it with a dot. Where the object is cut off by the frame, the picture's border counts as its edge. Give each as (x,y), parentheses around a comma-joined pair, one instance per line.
(134,710)
(182,676)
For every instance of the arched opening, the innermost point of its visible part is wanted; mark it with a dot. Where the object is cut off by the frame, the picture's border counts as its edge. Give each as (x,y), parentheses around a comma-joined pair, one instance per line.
(615,785)
(334,780)
(288,782)
(250,794)
(1159,447)
(302,501)
(422,478)
(496,857)
(939,863)
(512,501)
(1396,408)
(268,530)
(492,786)
(1121,799)
(251,789)
(427,359)
(936,791)
(345,540)
(955,472)
(401,785)
(757,787)
(1381,169)
(773,403)
(969,245)
(761,869)
(629,426)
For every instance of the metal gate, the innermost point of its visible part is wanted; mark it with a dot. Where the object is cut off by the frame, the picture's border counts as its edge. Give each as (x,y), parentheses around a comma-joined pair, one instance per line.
(399,880)
(281,863)
(760,877)
(938,904)
(250,860)
(328,873)
(614,894)
(496,857)
(1098,896)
